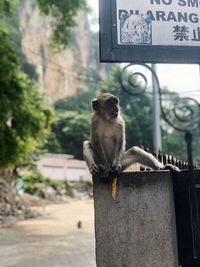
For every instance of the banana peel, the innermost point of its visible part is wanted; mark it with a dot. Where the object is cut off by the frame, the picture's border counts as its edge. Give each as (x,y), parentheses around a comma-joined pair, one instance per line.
(114,188)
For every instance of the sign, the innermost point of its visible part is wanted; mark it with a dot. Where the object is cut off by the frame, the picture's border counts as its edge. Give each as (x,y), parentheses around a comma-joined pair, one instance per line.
(156,31)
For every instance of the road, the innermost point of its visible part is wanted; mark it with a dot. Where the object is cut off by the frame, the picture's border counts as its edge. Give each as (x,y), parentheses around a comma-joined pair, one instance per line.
(51,240)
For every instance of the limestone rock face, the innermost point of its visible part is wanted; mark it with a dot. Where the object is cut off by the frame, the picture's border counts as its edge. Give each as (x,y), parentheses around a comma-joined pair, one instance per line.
(59,74)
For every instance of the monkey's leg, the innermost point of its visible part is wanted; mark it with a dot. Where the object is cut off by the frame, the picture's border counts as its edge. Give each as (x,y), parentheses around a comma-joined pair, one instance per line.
(89,158)
(138,155)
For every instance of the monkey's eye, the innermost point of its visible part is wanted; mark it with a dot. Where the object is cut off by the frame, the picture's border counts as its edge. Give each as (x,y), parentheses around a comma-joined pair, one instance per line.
(114,101)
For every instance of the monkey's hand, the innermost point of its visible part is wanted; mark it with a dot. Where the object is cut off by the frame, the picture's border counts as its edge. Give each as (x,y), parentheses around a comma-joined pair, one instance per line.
(94,169)
(171,168)
(116,167)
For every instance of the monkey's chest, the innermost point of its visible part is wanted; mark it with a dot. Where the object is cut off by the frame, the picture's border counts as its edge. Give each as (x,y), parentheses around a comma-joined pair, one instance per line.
(110,142)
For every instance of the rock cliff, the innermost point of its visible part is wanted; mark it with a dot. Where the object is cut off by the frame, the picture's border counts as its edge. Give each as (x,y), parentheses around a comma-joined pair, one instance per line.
(59,74)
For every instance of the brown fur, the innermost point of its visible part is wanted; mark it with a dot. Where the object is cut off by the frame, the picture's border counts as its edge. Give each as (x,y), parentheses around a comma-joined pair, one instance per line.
(105,152)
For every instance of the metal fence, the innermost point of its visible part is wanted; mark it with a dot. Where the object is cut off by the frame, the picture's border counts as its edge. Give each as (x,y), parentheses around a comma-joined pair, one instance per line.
(169,159)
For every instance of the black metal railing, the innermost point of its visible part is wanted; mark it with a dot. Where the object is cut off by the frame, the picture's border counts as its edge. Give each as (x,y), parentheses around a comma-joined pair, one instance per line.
(168,159)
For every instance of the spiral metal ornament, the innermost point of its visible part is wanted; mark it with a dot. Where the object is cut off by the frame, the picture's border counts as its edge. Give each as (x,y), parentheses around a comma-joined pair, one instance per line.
(129,82)
(183,114)
(187,113)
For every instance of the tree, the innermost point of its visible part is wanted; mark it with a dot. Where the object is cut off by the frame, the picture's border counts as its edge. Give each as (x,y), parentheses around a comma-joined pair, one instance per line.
(174,141)
(71,130)
(24,119)
(72,126)
(63,15)
(13,24)
(7,7)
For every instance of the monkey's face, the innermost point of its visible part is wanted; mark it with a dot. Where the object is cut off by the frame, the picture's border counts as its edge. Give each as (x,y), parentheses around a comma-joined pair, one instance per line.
(111,108)
(107,106)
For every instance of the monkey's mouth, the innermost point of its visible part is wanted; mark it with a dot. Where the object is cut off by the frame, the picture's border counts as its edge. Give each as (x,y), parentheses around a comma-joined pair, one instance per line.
(115,113)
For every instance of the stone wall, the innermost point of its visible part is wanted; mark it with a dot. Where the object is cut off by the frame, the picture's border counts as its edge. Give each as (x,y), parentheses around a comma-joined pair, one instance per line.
(138,228)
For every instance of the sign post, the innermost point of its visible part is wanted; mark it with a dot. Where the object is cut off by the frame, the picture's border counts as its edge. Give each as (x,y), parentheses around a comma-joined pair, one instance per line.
(157,139)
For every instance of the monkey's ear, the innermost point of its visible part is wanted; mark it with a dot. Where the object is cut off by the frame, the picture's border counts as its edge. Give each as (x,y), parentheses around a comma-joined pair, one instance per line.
(95,104)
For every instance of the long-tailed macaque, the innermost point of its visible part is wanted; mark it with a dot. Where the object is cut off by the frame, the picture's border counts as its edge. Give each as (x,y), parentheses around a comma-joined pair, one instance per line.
(105,152)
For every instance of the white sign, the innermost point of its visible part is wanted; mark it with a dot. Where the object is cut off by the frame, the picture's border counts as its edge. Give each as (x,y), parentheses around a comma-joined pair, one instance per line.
(158,22)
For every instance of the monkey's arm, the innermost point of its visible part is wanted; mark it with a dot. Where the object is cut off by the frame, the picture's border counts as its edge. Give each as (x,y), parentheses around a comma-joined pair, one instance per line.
(119,153)
(120,149)
(100,156)
(99,153)
(89,157)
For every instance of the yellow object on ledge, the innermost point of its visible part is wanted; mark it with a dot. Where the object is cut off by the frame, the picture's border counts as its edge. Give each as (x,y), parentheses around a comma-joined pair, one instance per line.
(114,188)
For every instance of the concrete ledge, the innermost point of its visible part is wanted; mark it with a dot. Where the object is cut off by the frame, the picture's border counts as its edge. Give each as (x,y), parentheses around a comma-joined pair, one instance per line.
(138,229)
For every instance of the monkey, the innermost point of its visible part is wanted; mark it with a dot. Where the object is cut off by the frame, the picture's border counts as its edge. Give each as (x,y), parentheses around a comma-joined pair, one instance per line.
(105,153)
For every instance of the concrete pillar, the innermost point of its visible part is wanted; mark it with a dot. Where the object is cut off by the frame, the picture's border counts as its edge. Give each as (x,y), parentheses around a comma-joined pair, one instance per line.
(138,229)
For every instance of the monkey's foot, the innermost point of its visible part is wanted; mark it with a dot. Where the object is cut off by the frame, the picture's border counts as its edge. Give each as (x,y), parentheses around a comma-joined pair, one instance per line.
(116,168)
(171,168)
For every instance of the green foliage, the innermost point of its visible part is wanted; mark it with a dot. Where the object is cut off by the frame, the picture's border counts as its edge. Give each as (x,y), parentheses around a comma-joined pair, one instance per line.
(10,22)
(63,18)
(36,182)
(71,129)
(25,121)
(68,188)
(174,143)
(73,123)
(15,35)
(24,118)
(7,7)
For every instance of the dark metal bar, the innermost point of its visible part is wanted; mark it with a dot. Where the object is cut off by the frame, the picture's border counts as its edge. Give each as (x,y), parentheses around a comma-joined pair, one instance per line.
(193,199)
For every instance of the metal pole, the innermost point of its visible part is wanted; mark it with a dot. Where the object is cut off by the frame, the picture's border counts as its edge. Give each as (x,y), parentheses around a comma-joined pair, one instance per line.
(156,115)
